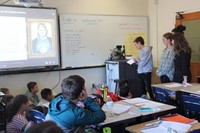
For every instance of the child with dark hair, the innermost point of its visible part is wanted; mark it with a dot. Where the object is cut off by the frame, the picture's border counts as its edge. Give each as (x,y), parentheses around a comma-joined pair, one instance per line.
(5,91)
(32,93)
(45,127)
(16,121)
(46,95)
(64,111)
(8,97)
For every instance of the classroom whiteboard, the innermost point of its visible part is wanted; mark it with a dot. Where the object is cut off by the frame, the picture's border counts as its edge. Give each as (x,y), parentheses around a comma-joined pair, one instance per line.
(87,39)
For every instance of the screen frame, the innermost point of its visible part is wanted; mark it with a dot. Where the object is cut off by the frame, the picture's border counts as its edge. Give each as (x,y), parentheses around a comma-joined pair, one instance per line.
(42,68)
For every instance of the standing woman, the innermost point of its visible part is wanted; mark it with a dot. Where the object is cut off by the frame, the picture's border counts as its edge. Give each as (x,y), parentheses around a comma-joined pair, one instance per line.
(182,58)
(166,67)
(16,121)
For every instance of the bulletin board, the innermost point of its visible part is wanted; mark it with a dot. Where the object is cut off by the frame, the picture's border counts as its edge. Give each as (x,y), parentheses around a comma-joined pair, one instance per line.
(86,40)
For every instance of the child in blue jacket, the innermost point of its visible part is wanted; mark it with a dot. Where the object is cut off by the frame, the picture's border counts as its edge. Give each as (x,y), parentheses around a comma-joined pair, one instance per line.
(64,111)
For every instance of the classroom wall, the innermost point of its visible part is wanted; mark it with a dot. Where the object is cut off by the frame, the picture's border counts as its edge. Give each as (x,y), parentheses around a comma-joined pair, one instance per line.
(161,15)
(17,82)
(162,19)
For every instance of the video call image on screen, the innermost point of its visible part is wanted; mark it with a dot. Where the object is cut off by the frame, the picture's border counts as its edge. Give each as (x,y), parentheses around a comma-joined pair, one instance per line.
(29,38)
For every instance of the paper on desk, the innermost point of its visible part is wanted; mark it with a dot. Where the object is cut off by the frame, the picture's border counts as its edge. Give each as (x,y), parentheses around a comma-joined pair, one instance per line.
(135,100)
(131,61)
(164,125)
(173,85)
(152,104)
(118,108)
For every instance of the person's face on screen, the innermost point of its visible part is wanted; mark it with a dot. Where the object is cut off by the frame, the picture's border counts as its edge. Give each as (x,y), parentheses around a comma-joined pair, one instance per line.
(42,31)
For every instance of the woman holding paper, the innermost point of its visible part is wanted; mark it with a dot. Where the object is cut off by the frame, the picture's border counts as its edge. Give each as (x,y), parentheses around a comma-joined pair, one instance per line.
(166,67)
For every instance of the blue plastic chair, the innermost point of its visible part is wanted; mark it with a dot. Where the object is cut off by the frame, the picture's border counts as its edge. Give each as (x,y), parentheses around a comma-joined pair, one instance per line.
(37,116)
(161,95)
(191,106)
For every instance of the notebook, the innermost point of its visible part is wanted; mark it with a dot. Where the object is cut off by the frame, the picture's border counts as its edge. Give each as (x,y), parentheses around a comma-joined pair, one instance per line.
(177,118)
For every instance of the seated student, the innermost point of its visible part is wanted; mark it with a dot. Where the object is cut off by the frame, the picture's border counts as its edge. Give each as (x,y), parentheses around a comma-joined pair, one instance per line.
(16,121)
(32,93)
(5,91)
(64,111)
(45,127)
(8,97)
(46,95)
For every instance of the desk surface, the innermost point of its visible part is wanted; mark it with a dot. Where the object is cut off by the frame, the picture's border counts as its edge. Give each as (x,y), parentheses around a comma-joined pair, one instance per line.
(195,87)
(165,86)
(136,128)
(133,113)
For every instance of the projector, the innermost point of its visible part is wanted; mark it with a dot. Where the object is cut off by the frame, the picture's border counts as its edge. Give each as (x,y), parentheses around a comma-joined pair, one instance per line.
(28,3)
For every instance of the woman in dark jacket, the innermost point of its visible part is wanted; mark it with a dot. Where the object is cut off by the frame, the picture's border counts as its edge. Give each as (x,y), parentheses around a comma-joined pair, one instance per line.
(182,58)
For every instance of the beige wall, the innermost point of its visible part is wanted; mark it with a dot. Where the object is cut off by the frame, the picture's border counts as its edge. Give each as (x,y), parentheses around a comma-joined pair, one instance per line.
(17,82)
(162,19)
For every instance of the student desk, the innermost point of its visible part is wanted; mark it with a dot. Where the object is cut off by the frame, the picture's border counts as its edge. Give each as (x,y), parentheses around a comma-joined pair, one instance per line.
(132,116)
(137,128)
(179,91)
(166,86)
(194,89)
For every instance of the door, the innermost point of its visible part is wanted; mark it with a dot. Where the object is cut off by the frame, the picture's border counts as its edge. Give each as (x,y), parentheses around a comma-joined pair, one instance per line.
(192,34)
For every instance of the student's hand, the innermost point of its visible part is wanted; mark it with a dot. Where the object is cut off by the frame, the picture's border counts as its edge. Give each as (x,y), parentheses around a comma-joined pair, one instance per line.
(31,104)
(137,60)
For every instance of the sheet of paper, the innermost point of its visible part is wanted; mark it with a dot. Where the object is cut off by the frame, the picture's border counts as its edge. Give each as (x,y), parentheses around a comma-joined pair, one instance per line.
(173,85)
(118,108)
(131,61)
(135,101)
(152,104)
(165,126)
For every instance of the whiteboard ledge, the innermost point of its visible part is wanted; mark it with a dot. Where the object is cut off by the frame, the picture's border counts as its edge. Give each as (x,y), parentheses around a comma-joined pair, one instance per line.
(82,67)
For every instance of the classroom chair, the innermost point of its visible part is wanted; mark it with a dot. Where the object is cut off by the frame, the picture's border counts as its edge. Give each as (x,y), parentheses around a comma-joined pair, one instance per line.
(191,106)
(121,87)
(161,95)
(37,116)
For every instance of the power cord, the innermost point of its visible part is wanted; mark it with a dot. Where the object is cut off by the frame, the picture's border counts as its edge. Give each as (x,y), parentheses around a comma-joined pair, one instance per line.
(57,82)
